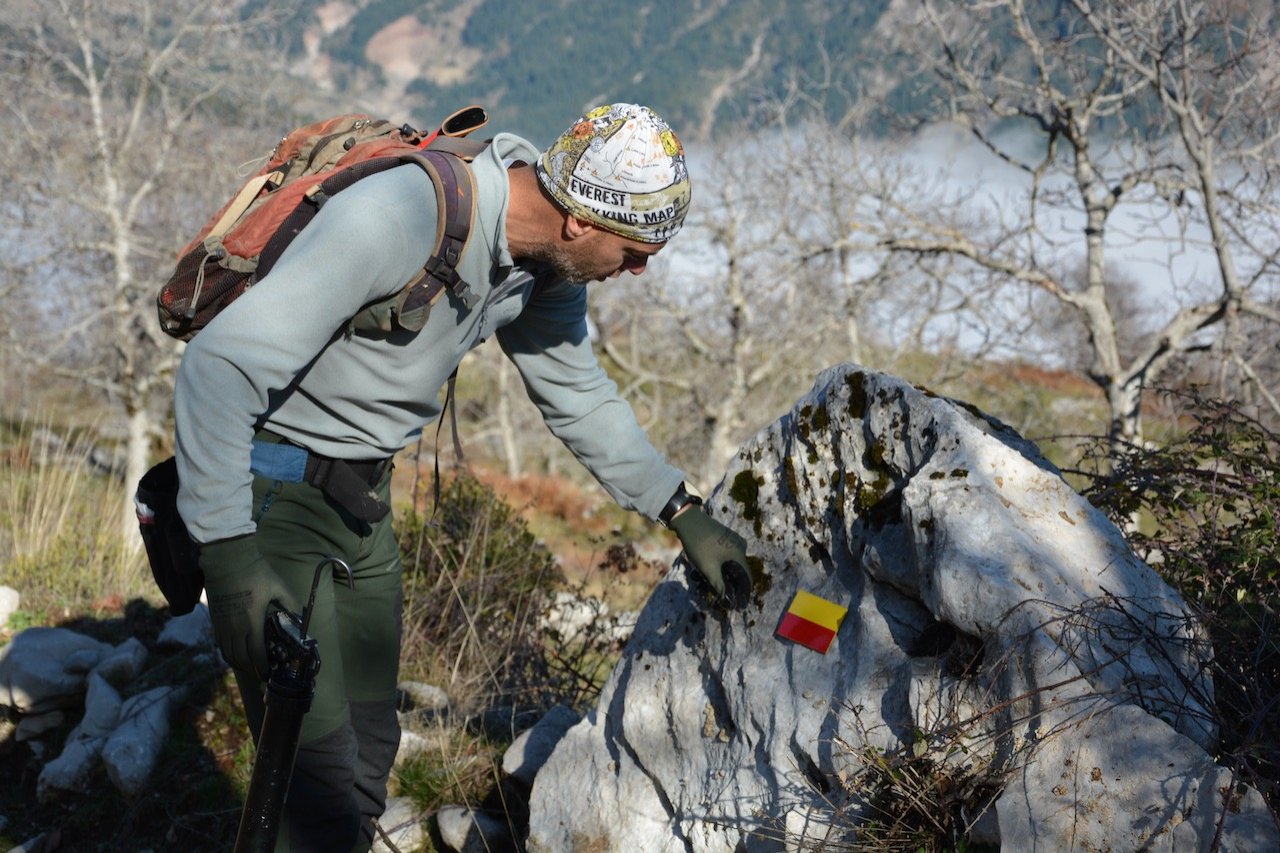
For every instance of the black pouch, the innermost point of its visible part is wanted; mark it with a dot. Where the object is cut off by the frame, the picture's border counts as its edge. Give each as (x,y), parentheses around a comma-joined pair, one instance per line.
(173,555)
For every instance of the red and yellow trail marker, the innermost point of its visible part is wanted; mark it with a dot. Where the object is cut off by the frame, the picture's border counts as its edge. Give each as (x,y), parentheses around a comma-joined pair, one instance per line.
(811,621)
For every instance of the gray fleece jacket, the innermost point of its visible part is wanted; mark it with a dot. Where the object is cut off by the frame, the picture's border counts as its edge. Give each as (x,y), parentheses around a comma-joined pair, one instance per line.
(273,358)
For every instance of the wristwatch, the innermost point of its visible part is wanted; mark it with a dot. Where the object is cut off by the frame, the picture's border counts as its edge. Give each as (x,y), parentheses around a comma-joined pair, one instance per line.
(681,499)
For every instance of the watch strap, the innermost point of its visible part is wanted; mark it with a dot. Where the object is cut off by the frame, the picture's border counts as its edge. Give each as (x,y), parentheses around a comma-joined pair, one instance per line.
(682,498)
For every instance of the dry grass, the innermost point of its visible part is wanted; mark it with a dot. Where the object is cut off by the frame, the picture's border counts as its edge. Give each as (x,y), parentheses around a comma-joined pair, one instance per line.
(58,547)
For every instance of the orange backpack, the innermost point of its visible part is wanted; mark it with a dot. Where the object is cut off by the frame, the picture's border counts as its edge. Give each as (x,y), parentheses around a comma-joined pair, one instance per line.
(238,246)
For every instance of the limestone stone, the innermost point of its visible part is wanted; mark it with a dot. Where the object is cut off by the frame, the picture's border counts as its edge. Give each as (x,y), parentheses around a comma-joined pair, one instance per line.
(192,630)
(996,623)
(84,745)
(43,668)
(36,725)
(530,750)
(411,745)
(123,663)
(131,751)
(402,825)
(465,830)
(10,601)
(419,696)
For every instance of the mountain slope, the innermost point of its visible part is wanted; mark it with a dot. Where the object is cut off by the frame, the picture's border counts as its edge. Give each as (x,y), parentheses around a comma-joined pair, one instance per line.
(536,66)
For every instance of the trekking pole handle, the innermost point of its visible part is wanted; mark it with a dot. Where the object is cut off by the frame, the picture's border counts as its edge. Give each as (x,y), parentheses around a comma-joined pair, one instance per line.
(336,562)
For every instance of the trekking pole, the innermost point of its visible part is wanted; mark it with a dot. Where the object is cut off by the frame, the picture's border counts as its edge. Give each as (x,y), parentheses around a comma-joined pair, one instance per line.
(295,660)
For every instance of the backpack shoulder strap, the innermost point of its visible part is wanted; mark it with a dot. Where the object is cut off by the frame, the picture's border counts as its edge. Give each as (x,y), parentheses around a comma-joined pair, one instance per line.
(455,201)
(454,187)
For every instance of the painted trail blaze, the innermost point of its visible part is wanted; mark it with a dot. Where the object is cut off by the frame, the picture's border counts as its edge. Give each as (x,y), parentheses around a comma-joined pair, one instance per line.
(811,621)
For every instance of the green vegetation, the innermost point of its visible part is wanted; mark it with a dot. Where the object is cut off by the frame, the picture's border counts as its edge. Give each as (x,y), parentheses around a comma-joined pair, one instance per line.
(475,584)
(58,546)
(1205,508)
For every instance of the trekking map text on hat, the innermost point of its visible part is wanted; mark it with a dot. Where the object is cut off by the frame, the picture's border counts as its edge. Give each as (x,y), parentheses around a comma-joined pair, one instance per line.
(620,167)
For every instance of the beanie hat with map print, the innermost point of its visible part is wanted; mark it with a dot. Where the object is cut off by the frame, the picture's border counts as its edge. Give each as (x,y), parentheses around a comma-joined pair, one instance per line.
(620,167)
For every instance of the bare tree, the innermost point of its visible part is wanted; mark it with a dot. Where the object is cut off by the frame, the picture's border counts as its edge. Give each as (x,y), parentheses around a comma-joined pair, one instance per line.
(119,114)
(765,287)
(782,272)
(713,326)
(1066,340)
(1110,125)
(1215,70)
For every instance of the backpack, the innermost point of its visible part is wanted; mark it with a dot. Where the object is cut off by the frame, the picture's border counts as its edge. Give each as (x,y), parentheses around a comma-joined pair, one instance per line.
(239,245)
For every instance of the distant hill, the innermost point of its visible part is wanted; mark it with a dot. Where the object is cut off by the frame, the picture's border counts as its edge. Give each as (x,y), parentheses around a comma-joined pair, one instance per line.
(535,65)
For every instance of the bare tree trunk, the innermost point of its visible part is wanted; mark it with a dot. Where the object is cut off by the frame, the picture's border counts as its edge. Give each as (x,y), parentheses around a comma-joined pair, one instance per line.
(853,307)
(506,424)
(136,458)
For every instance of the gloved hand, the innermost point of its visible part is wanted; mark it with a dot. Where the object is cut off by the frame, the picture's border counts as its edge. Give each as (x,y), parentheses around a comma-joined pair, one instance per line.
(243,590)
(716,551)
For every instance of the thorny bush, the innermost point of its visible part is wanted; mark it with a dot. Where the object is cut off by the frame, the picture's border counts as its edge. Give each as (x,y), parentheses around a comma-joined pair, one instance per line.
(477,588)
(1201,510)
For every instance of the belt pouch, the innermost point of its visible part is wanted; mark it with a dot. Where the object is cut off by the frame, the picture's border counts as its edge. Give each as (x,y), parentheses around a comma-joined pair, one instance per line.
(336,479)
(171,552)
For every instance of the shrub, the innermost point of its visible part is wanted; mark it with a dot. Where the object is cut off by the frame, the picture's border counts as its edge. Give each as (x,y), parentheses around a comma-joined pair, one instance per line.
(1206,504)
(476,583)
(477,588)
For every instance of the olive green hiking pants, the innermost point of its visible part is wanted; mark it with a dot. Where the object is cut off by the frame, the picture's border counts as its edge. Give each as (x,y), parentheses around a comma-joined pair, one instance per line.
(350,736)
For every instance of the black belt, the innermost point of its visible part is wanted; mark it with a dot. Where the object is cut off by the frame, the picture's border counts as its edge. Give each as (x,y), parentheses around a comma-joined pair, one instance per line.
(349,483)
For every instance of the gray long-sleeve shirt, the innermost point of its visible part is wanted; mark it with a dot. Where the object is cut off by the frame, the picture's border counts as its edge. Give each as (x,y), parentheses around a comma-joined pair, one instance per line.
(273,358)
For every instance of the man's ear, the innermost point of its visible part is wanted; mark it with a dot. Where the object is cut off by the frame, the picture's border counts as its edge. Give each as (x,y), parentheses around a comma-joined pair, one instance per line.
(575,228)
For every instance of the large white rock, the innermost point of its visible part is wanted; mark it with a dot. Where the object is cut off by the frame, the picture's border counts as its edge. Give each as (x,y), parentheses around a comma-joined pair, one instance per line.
(1083,789)
(44,668)
(131,751)
(70,769)
(996,624)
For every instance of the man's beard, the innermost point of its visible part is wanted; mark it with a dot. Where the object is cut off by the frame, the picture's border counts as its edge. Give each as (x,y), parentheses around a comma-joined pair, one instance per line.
(566,267)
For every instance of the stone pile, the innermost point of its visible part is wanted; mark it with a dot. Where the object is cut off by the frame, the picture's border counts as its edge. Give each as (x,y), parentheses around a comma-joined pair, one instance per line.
(51,675)
(51,678)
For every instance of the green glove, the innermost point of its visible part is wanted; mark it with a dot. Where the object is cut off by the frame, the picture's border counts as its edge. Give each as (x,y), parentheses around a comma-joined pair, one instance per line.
(716,551)
(243,590)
